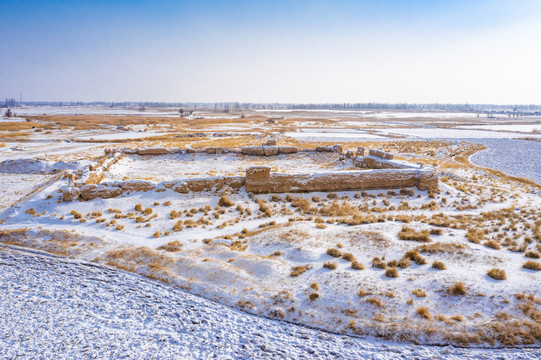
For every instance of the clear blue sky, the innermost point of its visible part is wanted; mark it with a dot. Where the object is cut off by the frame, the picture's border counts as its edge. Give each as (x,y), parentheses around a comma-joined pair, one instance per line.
(473,51)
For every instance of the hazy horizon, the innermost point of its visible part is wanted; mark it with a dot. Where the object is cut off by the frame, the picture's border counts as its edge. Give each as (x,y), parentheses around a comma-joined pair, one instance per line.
(398,51)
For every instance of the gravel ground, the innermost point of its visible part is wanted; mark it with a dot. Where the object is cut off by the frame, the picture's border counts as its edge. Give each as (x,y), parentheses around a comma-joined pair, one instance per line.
(52,307)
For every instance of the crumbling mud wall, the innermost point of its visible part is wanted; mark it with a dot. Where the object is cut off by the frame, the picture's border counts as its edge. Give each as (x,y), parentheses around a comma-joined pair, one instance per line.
(382,172)
(261,180)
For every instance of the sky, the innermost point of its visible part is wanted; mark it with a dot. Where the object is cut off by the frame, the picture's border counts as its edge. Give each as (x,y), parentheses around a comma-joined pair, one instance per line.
(296,51)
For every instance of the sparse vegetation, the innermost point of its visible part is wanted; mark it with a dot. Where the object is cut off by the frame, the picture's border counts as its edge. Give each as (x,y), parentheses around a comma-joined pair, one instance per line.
(497,274)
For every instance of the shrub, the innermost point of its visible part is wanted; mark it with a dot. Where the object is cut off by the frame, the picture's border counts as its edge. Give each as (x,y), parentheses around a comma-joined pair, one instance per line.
(139,207)
(436,231)
(167,203)
(334,253)
(225,201)
(497,274)
(357,265)
(119,227)
(419,293)
(439,265)
(298,270)
(178,226)
(391,272)
(423,312)
(457,289)
(407,233)
(330,265)
(147,211)
(532,265)
(348,257)
(157,234)
(313,296)
(457,318)
(314,286)
(321,226)
(156,203)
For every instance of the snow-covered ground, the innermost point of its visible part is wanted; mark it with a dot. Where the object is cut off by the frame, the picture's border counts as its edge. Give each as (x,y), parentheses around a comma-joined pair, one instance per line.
(53,307)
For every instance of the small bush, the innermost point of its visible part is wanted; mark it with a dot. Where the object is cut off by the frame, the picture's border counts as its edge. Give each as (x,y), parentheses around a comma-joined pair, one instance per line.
(423,312)
(147,211)
(321,226)
(119,227)
(391,272)
(532,265)
(436,231)
(439,265)
(419,293)
(167,203)
(157,234)
(330,265)
(139,208)
(357,265)
(458,289)
(334,253)
(313,296)
(225,201)
(314,286)
(497,274)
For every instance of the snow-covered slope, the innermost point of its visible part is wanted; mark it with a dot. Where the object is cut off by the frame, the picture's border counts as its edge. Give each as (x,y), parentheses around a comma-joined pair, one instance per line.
(53,307)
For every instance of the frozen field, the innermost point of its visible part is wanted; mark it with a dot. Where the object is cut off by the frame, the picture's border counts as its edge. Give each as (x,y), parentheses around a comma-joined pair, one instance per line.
(524,128)
(515,157)
(439,133)
(66,309)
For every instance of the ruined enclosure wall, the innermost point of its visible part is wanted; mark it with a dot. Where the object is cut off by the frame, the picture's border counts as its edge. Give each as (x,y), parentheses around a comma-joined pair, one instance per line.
(340,181)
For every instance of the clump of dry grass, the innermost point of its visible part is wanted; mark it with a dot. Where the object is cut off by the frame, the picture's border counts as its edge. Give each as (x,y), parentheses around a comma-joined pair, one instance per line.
(391,272)
(457,289)
(330,265)
(172,246)
(357,265)
(334,253)
(419,293)
(157,234)
(313,296)
(492,244)
(375,302)
(407,233)
(225,201)
(439,265)
(497,274)
(300,269)
(378,263)
(139,208)
(415,256)
(3,144)
(423,312)
(532,265)
(348,257)
(314,286)
(321,226)
(532,255)
(475,236)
